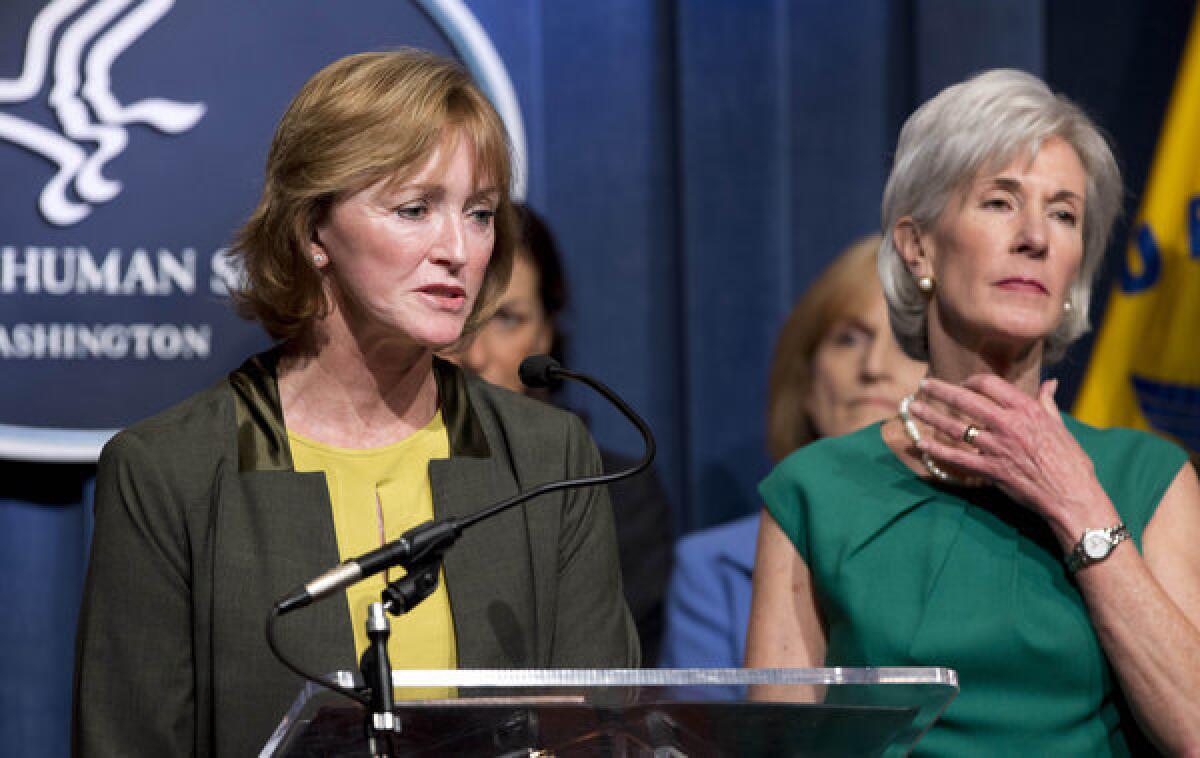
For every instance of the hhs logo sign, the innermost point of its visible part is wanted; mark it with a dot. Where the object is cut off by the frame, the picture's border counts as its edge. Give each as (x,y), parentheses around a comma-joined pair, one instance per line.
(92,123)
(132,139)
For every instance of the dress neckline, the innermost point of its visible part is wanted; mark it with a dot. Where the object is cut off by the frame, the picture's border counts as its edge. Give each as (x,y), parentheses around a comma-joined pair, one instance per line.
(875,433)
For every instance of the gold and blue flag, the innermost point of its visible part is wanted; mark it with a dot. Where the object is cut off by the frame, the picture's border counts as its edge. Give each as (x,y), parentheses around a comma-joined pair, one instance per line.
(1145,366)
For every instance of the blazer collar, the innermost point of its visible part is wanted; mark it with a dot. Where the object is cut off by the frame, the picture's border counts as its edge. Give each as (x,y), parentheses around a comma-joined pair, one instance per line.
(494,603)
(262,436)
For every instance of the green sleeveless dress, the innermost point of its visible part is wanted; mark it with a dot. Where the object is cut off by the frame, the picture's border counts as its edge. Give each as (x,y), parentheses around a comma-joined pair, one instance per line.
(910,573)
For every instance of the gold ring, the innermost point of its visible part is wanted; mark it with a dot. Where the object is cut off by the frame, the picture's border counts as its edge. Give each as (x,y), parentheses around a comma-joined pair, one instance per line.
(970,433)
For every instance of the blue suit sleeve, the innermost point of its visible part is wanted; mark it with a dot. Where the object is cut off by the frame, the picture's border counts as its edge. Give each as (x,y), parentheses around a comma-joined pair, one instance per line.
(708,598)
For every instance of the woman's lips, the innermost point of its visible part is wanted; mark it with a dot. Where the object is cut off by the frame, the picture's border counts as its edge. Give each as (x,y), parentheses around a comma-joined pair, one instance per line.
(1020,284)
(876,402)
(445,296)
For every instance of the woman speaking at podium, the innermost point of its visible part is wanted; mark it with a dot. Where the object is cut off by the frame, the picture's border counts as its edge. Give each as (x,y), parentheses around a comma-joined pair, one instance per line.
(384,233)
(1052,564)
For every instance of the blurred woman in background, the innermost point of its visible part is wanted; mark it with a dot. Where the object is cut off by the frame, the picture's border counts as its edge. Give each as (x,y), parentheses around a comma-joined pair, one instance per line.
(836,368)
(527,321)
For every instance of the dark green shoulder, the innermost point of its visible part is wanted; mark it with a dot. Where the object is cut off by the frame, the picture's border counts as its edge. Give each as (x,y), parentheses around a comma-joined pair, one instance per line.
(843,460)
(827,474)
(1134,467)
(170,460)
(204,419)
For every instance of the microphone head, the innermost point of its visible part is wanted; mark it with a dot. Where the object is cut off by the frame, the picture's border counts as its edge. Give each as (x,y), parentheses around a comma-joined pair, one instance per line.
(539,371)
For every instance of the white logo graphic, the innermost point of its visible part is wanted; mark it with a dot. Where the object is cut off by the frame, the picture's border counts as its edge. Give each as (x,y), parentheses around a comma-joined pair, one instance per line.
(90,36)
(87,111)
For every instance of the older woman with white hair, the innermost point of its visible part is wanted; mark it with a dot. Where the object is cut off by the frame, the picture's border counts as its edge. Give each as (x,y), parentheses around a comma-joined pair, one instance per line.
(987,528)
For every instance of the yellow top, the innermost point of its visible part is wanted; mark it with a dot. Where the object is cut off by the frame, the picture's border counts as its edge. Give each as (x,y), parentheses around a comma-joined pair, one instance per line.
(377,494)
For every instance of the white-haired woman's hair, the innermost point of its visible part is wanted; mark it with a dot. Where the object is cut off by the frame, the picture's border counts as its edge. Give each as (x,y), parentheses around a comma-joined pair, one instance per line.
(987,121)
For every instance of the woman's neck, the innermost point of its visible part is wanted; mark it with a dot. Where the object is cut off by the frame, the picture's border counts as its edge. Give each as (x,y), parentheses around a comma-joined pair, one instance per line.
(356,393)
(954,356)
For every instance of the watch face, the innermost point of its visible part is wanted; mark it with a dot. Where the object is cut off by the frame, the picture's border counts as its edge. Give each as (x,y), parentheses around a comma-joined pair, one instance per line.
(1096,545)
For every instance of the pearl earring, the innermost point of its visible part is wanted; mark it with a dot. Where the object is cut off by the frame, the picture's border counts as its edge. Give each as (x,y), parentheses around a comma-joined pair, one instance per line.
(319,259)
(925,284)
(1067,307)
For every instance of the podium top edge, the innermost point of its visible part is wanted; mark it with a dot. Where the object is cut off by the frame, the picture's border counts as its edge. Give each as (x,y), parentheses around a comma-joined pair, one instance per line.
(510,678)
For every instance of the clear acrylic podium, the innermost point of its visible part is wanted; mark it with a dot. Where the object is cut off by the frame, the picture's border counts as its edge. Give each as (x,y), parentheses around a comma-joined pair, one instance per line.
(659,713)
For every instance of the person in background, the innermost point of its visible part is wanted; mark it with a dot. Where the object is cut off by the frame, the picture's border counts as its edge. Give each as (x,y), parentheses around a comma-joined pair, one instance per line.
(836,368)
(1052,564)
(384,231)
(526,322)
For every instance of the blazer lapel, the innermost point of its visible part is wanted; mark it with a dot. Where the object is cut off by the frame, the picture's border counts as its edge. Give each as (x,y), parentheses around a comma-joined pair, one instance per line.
(281,535)
(258,415)
(488,575)
(282,514)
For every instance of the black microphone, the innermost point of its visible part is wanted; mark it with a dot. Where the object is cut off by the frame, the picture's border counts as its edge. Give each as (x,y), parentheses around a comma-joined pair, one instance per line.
(538,371)
(424,539)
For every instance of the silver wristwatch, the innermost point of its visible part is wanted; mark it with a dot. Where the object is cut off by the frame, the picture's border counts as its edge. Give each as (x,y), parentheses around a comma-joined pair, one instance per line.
(1095,545)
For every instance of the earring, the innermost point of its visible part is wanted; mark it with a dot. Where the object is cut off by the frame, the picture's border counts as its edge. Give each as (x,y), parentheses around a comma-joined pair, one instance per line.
(925,284)
(1067,307)
(319,259)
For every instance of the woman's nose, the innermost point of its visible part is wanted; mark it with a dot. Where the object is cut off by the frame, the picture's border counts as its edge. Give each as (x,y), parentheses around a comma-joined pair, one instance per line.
(450,245)
(875,358)
(1031,238)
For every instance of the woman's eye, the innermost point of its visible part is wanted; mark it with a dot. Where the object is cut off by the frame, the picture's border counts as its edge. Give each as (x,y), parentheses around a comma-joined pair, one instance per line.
(997,203)
(1068,217)
(483,216)
(508,319)
(412,211)
(848,338)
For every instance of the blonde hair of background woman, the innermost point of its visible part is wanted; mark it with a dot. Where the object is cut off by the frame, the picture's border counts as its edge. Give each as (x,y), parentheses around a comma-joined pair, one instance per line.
(838,292)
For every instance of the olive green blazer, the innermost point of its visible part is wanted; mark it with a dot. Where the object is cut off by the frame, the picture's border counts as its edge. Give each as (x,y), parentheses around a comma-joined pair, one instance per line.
(202,524)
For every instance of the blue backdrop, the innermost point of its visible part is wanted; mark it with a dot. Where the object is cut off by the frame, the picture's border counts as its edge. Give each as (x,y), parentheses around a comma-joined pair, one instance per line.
(700,161)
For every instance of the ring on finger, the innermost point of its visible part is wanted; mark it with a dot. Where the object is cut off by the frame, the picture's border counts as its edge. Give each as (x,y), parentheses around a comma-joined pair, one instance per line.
(970,433)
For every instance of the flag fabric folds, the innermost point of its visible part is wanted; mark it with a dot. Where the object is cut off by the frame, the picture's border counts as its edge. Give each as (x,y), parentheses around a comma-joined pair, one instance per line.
(1145,366)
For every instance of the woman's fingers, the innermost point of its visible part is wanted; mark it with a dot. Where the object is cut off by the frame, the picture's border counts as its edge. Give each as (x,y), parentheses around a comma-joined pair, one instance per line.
(1022,445)
(967,460)
(1000,391)
(954,428)
(970,403)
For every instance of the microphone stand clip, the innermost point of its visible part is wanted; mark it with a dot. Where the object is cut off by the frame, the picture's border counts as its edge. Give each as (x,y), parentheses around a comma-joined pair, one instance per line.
(427,544)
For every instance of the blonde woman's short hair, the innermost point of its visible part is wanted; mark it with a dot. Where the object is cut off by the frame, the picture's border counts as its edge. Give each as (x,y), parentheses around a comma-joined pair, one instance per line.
(357,121)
